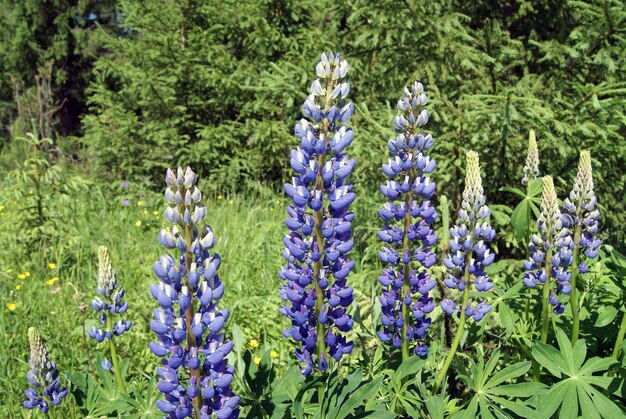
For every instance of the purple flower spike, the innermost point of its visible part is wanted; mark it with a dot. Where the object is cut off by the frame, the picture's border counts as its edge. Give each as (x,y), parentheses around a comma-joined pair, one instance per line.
(195,377)
(45,387)
(550,250)
(111,302)
(469,244)
(317,246)
(408,216)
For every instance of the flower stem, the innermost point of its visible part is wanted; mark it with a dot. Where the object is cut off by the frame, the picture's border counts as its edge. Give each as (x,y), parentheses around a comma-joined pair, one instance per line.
(459,331)
(620,337)
(114,360)
(527,241)
(545,300)
(573,297)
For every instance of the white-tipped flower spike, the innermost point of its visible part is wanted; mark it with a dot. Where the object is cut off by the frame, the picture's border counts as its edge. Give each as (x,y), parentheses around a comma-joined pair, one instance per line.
(109,303)
(579,210)
(45,387)
(469,250)
(580,217)
(531,168)
(549,241)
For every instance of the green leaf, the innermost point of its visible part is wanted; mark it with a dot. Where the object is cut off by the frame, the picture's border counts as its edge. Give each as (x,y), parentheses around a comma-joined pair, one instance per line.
(519,220)
(606,316)
(569,407)
(507,373)
(549,357)
(551,401)
(355,399)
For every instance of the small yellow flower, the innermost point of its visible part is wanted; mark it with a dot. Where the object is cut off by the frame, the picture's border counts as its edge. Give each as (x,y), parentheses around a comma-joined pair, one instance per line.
(219,197)
(12,306)
(253,343)
(51,265)
(26,274)
(138,223)
(51,281)
(257,360)
(145,211)
(21,276)
(18,287)
(155,212)
(139,203)
(274,354)
(9,270)
(271,209)
(231,202)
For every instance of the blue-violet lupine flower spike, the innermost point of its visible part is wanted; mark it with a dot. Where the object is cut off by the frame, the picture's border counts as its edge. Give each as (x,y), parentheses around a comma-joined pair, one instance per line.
(408,216)
(43,377)
(315,291)
(195,376)
(531,168)
(550,250)
(580,212)
(110,302)
(469,244)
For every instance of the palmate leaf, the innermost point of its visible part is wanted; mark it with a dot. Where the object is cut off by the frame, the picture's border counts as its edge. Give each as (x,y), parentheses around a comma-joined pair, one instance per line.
(494,396)
(578,392)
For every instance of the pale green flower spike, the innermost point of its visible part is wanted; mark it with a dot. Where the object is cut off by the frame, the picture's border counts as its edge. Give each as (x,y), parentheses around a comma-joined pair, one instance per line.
(531,168)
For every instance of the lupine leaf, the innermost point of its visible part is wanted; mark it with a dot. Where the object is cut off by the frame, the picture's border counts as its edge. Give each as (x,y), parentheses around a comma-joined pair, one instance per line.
(550,358)
(606,316)
(507,373)
(357,397)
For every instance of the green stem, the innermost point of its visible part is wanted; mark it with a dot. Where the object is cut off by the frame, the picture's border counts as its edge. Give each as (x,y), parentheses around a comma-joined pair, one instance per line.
(545,301)
(573,297)
(459,331)
(620,337)
(114,360)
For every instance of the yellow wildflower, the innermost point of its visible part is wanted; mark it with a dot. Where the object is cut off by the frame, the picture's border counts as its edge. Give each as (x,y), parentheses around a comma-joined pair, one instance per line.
(145,211)
(253,343)
(271,209)
(138,223)
(11,306)
(139,203)
(18,287)
(26,274)
(257,360)
(231,202)
(51,265)
(219,197)
(155,212)
(274,354)
(21,276)
(51,281)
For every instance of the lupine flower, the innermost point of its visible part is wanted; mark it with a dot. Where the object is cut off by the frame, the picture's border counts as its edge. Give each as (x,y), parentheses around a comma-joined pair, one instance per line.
(579,211)
(408,216)
(110,302)
(45,386)
(531,168)
(195,376)
(315,290)
(469,251)
(550,250)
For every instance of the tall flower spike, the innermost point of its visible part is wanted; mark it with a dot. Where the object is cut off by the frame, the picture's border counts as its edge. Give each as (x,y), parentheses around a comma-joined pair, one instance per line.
(408,217)
(195,376)
(531,168)
(469,251)
(580,217)
(469,256)
(110,303)
(550,250)
(317,246)
(45,386)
